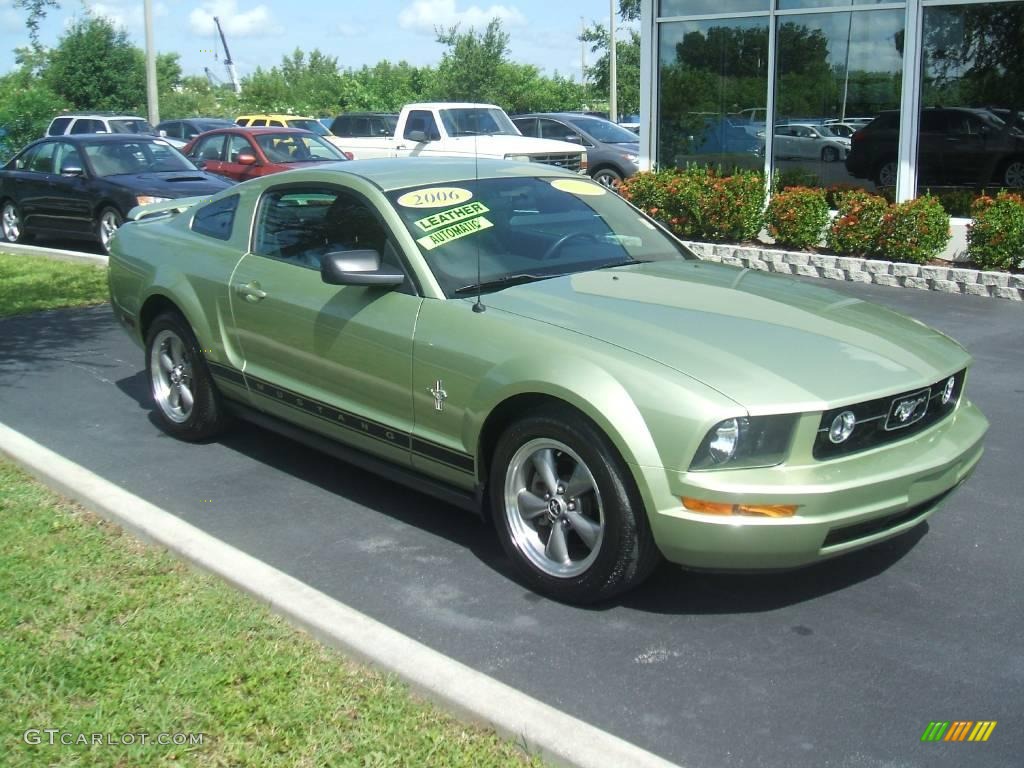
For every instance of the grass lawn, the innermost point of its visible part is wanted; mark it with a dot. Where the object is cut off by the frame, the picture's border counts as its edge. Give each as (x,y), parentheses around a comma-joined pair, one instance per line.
(30,283)
(100,634)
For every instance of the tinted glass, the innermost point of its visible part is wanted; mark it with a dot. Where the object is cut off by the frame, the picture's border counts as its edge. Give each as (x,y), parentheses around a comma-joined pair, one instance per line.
(701,7)
(527,126)
(87,125)
(208,148)
(713,90)
(552,129)
(972,94)
(834,66)
(216,219)
(475,121)
(605,130)
(536,226)
(236,146)
(130,126)
(310,125)
(422,120)
(59,126)
(42,159)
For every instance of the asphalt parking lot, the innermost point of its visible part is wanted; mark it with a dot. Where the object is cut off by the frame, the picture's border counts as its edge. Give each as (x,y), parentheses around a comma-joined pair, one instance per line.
(843,664)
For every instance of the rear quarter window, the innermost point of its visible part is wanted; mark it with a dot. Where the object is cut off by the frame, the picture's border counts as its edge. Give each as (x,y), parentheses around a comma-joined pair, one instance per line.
(216,219)
(59,126)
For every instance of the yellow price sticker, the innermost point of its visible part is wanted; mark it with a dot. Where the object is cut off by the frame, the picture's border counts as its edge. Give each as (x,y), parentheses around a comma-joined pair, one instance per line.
(454,232)
(467,211)
(435,197)
(579,187)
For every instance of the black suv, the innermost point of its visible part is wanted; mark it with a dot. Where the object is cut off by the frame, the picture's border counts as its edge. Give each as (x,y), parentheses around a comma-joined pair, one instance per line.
(957,146)
(363,124)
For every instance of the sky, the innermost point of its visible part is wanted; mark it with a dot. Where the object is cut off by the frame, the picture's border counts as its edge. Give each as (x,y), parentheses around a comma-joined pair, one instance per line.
(259,32)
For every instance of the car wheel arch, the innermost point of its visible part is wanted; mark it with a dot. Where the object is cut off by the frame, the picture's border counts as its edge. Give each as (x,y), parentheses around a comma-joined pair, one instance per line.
(608,167)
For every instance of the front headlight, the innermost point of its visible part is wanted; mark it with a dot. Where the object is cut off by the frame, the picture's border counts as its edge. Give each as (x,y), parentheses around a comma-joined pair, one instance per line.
(755,441)
(631,158)
(148,199)
(518,158)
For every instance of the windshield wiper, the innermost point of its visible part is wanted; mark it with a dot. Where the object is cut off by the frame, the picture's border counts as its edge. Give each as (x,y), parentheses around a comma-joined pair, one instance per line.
(502,282)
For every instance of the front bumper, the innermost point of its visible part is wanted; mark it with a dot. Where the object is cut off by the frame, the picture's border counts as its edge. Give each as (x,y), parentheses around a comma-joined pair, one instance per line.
(844,503)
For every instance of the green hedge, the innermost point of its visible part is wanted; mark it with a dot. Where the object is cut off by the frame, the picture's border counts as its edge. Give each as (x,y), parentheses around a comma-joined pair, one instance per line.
(797,216)
(995,239)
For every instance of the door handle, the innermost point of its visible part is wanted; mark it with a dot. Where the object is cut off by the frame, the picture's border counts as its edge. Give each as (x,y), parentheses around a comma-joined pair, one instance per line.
(251,292)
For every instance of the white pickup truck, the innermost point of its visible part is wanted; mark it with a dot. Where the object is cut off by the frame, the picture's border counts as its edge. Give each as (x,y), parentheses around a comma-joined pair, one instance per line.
(449,129)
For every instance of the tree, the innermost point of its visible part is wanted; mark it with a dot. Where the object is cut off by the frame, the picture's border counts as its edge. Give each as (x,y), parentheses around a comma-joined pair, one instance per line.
(387,87)
(474,66)
(36,13)
(95,67)
(310,85)
(627,67)
(26,109)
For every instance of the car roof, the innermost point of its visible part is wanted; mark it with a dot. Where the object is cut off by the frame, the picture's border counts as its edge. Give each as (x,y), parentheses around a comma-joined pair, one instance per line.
(259,130)
(451,105)
(274,116)
(106,138)
(107,115)
(400,172)
(367,114)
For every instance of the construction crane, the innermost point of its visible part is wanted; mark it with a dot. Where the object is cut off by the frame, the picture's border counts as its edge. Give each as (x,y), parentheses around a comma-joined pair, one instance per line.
(229,65)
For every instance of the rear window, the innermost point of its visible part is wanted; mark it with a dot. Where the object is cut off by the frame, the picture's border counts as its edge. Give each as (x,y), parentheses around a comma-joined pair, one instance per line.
(216,219)
(310,125)
(59,126)
(131,126)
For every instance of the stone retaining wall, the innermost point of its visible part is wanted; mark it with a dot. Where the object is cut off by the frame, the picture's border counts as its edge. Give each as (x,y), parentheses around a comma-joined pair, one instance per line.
(952,279)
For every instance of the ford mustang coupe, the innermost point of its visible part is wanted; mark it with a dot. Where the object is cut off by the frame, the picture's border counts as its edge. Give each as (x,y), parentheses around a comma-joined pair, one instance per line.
(524,343)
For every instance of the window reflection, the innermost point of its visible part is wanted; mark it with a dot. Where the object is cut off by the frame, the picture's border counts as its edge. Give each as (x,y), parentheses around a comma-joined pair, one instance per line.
(713,93)
(836,73)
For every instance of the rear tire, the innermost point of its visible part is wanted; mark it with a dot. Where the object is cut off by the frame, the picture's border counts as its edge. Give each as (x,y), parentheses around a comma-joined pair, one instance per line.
(187,401)
(12,224)
(567,510)
(885,174)
(829,154)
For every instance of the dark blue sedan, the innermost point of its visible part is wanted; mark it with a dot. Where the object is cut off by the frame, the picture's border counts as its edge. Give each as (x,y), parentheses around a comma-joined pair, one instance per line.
(83,186)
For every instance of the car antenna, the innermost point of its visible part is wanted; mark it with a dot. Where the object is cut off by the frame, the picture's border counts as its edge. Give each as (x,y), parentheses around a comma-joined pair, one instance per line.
(479,306)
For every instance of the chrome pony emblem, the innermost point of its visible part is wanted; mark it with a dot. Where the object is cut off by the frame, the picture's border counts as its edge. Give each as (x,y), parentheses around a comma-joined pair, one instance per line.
(908,410)
(439,395)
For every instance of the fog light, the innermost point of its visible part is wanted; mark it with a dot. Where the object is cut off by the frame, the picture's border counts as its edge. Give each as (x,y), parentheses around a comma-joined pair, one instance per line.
(842,427)
(748,510)
(947,393)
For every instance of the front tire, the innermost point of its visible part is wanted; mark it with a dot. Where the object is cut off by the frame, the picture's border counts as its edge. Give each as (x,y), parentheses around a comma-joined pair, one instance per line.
(885,175)
(829,154)
(110,219)
(566,509)
(608,177)
(187,402)
(1013,174)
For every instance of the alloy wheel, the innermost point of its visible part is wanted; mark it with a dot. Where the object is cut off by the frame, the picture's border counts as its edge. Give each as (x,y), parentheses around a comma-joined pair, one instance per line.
(11,223)
(171,376)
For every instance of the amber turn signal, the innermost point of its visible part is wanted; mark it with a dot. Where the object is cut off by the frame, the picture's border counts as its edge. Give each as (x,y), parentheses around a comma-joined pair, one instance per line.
(750,510)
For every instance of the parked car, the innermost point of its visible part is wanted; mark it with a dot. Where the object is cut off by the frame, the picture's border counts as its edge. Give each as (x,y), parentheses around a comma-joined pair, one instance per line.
(630,123)
(612,151)
(721,136)
(523,342)
(98,122)
(82,186)
(180,132)
(364,124)
(292,121)
(956,146)
(806,141)
(247,153)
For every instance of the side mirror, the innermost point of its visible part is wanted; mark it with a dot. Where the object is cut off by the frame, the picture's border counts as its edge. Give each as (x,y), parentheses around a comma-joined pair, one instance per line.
(162,132)
(70,169)
(574,138)
(246,158)
(418,136)
(357,268)
(200,164)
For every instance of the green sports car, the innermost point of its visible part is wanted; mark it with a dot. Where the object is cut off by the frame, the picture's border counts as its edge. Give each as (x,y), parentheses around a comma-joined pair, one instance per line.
(524,343)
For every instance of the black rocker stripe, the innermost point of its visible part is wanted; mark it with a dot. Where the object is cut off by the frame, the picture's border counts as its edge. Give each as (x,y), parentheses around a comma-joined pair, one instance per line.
(348,420)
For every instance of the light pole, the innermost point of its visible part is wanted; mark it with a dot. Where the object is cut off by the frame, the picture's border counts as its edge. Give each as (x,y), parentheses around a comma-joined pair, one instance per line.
(151,94)
(613,86)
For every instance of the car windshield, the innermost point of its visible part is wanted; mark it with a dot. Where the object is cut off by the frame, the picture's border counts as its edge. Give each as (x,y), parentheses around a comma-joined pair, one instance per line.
(476,121)
(310,125)
(514,229)
(297,148)
(131,126)
(605,130)
(116,158)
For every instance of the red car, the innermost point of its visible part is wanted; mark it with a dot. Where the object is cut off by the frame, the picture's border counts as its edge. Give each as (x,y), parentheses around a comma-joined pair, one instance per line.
(245,153)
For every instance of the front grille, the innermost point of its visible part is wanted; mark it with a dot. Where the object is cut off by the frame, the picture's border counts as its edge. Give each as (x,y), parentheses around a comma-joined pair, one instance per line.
(571,161)
(878,420)
(880,524)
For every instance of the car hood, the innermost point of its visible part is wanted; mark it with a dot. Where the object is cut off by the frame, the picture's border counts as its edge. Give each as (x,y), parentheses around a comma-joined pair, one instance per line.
(770,343)
(506,144)
(171,183)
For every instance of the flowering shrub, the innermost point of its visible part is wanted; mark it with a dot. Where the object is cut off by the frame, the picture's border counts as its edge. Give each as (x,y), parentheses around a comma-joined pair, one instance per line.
(858,222)
(796,216)
(696,203)
(914,231)
(995,240)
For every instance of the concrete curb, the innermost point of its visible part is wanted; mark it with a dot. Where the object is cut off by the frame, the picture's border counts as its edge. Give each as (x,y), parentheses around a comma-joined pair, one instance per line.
(542,729)
(971,282)
(55,253)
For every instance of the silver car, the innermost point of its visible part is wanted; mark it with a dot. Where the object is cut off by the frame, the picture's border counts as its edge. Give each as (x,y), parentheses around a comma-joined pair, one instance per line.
(612,151)
(806,141)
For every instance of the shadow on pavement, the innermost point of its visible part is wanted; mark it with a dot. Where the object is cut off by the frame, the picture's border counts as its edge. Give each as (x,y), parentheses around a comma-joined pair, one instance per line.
(51,338)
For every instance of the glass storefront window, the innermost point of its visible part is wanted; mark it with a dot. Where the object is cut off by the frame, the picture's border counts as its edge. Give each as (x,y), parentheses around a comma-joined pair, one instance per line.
(972,98)
(837,72)
(713,89)
(702,7)
(793,5)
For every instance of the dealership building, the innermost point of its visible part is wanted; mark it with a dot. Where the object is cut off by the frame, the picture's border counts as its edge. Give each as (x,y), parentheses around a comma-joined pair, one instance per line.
(900,97)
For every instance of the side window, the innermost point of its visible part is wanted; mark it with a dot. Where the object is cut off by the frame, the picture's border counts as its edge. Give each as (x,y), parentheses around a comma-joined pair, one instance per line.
(24,163)
(67,157)
(361,126)
(527,126)
(301,225)
(189,131)
(88,125)
(549,129)
(236,146)
(209,148)
(59,126)
(242,121)
(42,160)
(342,126)
(258,123)
(277,123)
(216,219)
(422,120)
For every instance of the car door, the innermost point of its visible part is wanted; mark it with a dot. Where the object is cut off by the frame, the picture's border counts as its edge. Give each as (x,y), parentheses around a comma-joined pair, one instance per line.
(418,120)
(553,129)
(71,198)
(33,186)
(334,359)
(238,145)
